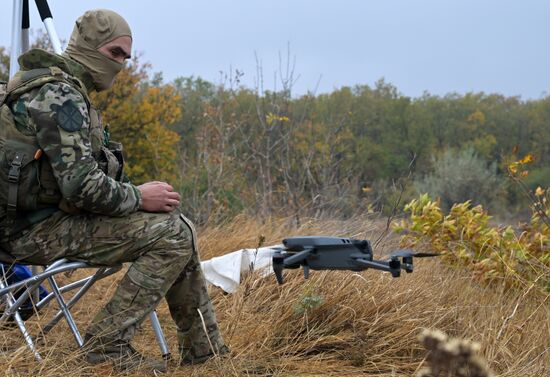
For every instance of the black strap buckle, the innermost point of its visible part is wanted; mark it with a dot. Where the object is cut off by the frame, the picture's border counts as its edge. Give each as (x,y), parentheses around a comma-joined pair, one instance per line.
(13,187)
(15,168)
(12,207)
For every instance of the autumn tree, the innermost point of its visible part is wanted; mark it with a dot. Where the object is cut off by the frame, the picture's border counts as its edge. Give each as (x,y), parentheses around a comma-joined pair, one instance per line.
(228,148)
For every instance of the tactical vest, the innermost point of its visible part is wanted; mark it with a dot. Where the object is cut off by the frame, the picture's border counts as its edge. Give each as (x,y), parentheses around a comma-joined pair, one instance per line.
(27,182)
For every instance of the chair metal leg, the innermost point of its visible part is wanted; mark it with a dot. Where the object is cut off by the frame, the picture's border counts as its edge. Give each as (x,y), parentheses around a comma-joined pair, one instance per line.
(53,269)
(26,335)
(159,334)
(35,295)
(67,314)
(100,274)
(10,301)
(20,300)
(86,284)
(31,284)
(66,288)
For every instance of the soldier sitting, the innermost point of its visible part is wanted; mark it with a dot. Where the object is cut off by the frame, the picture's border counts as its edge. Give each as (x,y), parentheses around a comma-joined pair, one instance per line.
(63,194)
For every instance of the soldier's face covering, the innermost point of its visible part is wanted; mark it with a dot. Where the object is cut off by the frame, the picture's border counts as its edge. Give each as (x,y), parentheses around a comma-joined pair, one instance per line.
(93,30)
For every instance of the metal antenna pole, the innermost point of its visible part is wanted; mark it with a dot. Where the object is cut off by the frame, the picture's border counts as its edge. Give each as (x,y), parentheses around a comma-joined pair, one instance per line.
(17,20)
(25,45)
(20,30)
(20,43)
(25,25)
(47,19)
(46,16)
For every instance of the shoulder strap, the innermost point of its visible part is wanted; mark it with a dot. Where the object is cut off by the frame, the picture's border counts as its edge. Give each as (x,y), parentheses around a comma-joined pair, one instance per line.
(13,187)
(27,80)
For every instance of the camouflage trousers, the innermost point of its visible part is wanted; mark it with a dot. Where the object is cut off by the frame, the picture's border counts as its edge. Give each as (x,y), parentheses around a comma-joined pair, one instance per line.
(164,263)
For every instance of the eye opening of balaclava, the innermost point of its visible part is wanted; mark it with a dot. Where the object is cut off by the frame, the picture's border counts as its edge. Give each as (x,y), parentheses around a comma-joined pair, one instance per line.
(92,30)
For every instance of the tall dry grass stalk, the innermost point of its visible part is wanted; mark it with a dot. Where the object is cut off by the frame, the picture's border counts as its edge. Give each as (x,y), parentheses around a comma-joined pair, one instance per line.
(335,324)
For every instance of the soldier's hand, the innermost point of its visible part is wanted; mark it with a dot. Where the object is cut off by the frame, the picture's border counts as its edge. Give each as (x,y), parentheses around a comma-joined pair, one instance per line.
(158,197)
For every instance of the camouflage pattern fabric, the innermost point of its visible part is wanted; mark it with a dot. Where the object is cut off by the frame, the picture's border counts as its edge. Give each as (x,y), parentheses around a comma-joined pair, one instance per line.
(51,123)
(99,222)
(60,115)
(165,264)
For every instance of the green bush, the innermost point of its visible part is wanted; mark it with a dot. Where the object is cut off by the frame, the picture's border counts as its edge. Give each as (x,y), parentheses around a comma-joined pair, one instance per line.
(460,176)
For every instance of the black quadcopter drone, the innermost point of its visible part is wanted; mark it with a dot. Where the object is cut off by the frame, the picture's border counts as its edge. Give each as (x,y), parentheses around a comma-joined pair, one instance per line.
(333,253)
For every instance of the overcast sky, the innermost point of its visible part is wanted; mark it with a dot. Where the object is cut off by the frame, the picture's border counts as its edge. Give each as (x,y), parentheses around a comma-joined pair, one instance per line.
(439,46)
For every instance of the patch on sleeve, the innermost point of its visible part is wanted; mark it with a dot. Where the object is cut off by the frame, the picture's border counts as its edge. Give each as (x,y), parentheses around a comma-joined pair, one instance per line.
(69,117)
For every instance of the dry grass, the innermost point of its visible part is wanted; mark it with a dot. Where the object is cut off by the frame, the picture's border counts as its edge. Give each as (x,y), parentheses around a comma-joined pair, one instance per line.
(362,324)
(452,357)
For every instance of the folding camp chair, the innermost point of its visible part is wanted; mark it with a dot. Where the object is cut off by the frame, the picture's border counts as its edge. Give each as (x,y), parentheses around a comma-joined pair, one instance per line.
(25,288)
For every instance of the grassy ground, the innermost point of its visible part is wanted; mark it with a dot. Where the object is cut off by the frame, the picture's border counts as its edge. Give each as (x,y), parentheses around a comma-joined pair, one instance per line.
(335,324)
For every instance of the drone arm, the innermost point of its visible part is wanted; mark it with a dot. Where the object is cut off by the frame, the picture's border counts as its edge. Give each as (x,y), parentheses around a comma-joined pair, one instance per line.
(390,266)
(373,264)
(297,258)
(280,262)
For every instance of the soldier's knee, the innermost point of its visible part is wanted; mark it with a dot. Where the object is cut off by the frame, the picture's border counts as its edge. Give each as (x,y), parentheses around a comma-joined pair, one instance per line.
(180,229)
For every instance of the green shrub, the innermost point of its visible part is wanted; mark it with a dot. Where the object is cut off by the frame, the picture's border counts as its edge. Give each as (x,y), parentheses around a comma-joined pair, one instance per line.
(462,176)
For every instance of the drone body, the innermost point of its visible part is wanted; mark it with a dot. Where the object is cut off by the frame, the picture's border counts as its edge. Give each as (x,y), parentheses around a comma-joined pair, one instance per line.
(334,253)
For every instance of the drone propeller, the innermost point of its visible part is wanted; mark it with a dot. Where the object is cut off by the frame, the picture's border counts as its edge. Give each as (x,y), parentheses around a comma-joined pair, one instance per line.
(410,253)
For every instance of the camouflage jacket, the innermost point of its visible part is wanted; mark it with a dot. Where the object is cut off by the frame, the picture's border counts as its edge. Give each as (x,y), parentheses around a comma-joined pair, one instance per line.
(66,161)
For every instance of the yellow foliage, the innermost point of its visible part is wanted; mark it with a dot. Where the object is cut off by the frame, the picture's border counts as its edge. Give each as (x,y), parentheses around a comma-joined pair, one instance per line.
(270,118)
(139,116)
(484,145)
(465,237)
(527,159)
(477,117)
(516,169)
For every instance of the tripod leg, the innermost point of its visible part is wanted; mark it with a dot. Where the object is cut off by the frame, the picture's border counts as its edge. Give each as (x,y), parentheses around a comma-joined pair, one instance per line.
(47,19)
(25,25)
(159,334)
(16,22)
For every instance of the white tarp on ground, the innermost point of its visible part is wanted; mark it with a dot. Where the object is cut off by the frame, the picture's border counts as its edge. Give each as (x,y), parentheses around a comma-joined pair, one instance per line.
(225,271)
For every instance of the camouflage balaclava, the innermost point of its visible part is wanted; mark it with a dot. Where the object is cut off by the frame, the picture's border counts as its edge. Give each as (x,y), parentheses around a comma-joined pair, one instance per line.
(92,30)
